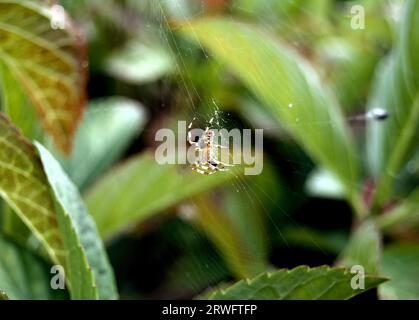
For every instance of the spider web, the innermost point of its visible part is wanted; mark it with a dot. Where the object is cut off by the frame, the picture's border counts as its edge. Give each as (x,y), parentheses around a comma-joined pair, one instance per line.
(264,196)
(251,191)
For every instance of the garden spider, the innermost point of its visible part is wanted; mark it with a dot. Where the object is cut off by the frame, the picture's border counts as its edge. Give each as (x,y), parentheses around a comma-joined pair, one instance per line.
(207,162)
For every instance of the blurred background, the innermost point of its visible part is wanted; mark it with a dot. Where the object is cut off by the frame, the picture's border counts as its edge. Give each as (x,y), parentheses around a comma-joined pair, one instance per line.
(294,213)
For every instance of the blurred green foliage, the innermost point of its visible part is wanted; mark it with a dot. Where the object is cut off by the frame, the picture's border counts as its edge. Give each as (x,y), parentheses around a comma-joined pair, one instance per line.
(339,187)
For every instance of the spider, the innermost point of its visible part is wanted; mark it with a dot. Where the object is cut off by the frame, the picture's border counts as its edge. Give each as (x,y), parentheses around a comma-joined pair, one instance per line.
(207,162)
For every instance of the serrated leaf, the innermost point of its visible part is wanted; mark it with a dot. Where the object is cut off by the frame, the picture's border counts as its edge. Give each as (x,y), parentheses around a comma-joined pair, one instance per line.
(49,65)
(301,283)
(96,149)
(87,260)
(392,142)
(401,266)
(24,187)
(22,275)
(139,188)
(287,85)
(364,248)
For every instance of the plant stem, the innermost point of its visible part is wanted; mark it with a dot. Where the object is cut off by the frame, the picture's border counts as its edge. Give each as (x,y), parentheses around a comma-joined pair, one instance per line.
(385,185)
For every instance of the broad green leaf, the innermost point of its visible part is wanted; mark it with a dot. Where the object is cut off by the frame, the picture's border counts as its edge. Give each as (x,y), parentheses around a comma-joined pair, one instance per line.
(289,87)
(22,275)
(392,142)
(108,127)
(364,249)
(94,150)
(348,66)
(13,227)
(25,189)
(15,103)
(88,266)
(401,265)
(47,63)
(293,19)
(301,283)
(140,63)
(139,188)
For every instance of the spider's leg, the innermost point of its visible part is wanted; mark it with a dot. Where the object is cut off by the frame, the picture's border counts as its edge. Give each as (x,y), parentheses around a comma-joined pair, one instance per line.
(209,124)
(199,165)
(197,169)
(215,166)
(219,146)
(222,163)
(191,123)
(194,143)
(212,166)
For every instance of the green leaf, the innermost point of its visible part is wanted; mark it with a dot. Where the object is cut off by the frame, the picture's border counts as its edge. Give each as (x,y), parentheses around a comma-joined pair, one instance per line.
(22,275)
(392,142)
(301,283)
(139,188)
(123,119)
(286,84)
(364,248)
(14,228)
(88,267)
(401,265)
(48,64)
(349,65)
(25,189)
(139,63)
(15,103)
